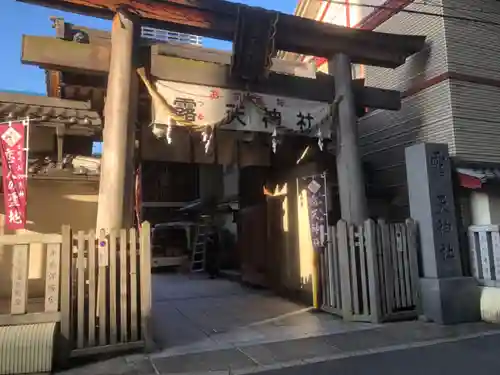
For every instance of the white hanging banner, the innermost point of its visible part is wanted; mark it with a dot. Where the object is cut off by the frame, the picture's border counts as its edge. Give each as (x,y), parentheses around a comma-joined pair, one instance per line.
(202,105)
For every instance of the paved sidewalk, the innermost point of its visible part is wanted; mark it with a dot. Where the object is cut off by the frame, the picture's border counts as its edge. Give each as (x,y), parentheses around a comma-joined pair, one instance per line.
(250,358)
(477,356)
(215,325)
(243,359)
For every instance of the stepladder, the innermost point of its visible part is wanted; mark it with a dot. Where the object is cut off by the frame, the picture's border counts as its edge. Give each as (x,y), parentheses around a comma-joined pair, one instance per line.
(198,257)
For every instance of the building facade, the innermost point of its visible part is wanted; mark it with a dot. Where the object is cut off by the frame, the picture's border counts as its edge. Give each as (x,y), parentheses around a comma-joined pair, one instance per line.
(449,93)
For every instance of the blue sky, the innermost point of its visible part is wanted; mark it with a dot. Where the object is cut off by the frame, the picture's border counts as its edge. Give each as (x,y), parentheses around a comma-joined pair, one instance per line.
(17,19)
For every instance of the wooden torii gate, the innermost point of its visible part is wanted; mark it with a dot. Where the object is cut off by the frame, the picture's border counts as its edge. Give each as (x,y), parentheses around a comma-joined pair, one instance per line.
(253,49)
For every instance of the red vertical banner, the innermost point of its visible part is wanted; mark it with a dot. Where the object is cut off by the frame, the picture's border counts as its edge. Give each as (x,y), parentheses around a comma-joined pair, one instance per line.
(14,173)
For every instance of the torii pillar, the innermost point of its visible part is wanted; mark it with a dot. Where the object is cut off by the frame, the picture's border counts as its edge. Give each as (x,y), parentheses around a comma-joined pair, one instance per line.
(117,167)
(352,192)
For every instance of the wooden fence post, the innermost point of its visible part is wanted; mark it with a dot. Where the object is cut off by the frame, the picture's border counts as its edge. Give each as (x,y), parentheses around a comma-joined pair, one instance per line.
(373,274)
(387,266)
(317,275)
(344,266)
(145,289)
(80,288)
(475,265)
(102,270)
(333,266)
(20,270)
(113,327)
(411,231)
(66,258)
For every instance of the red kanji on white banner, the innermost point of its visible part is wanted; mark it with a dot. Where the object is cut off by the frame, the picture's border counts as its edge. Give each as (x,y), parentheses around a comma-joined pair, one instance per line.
(13,149)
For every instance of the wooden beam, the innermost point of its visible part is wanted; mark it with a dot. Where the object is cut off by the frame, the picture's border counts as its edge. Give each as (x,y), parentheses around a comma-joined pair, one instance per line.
(198,53)
(156,14)
(52,53)
(61,54)
(216,75)
(217,19)
(289,26)
(68,31)
(100,37)
(321,88)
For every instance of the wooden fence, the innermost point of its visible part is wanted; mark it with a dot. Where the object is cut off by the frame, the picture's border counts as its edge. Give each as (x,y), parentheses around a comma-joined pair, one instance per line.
(484,247)
(370,272)
(54,305)
(97,286)
(111,290)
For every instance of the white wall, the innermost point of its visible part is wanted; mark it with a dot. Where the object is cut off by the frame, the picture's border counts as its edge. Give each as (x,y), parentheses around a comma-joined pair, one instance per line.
(485,208)
(480,208)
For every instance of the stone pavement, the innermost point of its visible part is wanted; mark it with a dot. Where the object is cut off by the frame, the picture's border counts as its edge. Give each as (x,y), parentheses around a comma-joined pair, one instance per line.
(477,356)
(260,357)
(192,313)
(297,354)
(204,325)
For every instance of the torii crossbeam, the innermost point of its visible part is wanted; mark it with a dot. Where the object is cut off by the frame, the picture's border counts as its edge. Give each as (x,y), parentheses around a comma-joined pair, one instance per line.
(218,19)
(236,22)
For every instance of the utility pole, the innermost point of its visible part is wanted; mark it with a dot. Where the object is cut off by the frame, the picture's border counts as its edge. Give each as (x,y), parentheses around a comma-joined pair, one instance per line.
(352,192)
(117,158)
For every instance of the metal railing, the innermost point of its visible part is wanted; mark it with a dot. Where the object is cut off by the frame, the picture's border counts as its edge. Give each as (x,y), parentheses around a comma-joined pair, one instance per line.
(170,36)
(484,246)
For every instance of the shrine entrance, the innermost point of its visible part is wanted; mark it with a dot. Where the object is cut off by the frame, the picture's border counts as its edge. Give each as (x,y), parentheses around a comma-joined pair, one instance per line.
(242,110)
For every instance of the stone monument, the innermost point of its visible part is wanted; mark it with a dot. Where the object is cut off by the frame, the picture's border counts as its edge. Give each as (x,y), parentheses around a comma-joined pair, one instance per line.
(447,296)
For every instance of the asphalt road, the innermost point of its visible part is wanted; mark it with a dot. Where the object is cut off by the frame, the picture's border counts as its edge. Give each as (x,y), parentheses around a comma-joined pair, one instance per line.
(479,356)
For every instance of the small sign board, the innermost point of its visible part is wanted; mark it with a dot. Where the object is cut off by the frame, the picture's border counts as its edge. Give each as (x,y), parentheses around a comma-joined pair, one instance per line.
(317,207)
